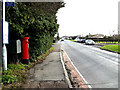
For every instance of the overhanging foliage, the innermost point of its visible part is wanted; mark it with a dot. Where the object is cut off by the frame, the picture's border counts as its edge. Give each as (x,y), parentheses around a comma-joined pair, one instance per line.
(39,26)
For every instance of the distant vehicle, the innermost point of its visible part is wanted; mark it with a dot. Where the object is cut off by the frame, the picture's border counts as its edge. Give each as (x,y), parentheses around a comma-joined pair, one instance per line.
(89,42)
(82,41)
(77,39)
(62,39)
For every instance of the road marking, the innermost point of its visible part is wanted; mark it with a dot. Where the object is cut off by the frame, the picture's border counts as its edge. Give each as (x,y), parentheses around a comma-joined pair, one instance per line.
(78,71)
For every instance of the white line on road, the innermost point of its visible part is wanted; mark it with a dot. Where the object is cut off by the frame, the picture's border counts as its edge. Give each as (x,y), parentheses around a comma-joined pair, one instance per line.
(78,71)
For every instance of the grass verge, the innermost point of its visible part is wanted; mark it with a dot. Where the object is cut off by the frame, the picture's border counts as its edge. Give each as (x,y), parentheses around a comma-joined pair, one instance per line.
(16,74)
(114,48)
(72,40)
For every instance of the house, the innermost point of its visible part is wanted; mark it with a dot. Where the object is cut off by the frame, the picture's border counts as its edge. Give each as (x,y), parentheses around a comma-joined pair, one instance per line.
(96,36)
(79,36)
(116,36)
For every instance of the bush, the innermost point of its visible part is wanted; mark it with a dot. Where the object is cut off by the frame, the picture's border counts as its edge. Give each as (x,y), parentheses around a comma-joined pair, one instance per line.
(8,72)
(16,67)
(8,79)
(14,73)
(41,29)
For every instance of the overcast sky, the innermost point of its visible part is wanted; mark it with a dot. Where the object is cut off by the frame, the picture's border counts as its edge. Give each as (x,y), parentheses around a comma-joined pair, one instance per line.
(81,17)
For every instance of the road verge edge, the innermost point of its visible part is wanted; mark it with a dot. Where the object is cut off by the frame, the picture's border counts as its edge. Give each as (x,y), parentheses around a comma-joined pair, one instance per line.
(65,71)
(76,78)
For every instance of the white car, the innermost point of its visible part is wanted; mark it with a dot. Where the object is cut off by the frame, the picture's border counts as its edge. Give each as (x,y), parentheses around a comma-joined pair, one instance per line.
(77,40)
(89,42)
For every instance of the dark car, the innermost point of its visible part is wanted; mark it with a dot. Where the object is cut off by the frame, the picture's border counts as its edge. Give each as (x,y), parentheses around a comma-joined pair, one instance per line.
(62,39)
(82,41)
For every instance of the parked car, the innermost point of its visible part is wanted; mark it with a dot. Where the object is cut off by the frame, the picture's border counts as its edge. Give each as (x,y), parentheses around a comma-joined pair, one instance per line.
(89,42)
(62,39)
(77,39)
(82,41)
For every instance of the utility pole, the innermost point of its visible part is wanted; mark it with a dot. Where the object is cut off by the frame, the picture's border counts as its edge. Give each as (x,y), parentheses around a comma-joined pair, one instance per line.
(5,32)
(4,47)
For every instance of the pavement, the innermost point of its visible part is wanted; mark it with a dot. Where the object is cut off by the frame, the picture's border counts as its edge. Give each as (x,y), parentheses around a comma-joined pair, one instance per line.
(56,71)
(49,73)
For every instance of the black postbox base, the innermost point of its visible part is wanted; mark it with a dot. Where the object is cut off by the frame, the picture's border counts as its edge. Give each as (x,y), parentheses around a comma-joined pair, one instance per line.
(25,61)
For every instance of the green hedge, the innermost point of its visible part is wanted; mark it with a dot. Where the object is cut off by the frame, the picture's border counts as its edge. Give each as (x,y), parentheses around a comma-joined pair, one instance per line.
(41,29)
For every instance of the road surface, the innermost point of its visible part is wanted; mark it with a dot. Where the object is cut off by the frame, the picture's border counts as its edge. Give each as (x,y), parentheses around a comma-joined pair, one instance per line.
(98,67)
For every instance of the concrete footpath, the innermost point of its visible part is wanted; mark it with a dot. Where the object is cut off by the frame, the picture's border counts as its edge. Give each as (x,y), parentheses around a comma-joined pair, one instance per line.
(49,73)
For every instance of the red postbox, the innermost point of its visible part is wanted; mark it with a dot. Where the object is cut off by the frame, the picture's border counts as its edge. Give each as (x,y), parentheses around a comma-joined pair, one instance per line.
(25,50)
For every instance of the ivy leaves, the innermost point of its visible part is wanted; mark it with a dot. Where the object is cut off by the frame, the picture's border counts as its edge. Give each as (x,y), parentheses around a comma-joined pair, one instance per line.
(19,18)
(25,22)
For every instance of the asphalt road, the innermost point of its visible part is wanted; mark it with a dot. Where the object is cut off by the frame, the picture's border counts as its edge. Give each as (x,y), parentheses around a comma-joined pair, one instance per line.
(98,67)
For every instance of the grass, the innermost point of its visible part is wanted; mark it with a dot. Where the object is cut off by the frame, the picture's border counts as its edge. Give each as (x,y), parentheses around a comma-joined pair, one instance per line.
(115,48)
(72,40)
(16,74)
(108,42)
(53,43)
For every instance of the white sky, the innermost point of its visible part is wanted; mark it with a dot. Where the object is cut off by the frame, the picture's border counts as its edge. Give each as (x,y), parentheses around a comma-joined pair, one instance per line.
(81,17)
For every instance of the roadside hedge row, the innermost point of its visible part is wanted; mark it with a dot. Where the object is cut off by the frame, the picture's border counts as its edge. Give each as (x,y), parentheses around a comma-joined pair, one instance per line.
(41,28)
